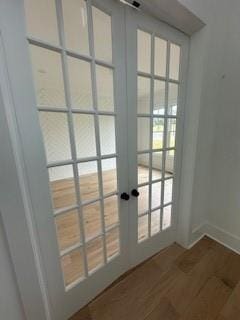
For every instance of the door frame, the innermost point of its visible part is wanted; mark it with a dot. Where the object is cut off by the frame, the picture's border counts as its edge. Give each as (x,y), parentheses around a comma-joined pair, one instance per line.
(21,235)
(16,212)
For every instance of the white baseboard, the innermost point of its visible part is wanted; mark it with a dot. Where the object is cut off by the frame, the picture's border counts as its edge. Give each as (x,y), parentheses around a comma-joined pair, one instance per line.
(197,234)
(225,238)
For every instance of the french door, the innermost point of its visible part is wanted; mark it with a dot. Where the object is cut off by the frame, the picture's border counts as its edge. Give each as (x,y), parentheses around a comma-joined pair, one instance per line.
(156,75)
(101,130)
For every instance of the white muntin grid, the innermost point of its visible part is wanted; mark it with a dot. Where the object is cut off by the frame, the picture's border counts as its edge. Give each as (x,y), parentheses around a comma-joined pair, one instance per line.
(74,161)
(164,148)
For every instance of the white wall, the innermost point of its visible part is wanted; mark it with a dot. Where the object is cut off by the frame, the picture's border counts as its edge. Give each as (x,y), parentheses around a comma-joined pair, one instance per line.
(225,198)
(205,57)
(215,51)
(195,169)
(10,304)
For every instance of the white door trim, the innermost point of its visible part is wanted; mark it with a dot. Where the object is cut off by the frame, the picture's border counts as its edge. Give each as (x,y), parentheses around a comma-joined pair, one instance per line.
(17,212)
(22,90)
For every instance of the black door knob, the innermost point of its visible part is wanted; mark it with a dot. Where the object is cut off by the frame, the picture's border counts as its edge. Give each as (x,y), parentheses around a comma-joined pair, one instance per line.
(135,193)
(124,196)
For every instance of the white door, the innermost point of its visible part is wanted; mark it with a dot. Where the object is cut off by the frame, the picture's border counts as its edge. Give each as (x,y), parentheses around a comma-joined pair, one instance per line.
(78,102)
(156,75)
(74,143)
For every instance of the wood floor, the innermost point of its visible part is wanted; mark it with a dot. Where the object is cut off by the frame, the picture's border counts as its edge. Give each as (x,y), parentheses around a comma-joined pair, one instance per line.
(202,283)
(67,224)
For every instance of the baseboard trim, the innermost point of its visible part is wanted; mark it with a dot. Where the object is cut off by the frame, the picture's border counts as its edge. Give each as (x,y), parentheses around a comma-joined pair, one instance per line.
(223,237)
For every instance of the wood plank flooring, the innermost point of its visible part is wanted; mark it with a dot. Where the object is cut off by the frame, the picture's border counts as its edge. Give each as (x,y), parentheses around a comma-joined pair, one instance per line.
(67,224)
(202,283)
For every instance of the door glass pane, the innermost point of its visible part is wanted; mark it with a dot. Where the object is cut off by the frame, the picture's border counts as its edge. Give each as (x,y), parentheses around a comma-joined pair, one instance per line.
(80,84)
(105,93)
(95,254)
(38,12)
(157,159)
(171,133)
(111,211)
(84,130)
(143,133)
(48,77)
(160,57)
(143,204)
(76,25)
(143,168)
(174,61)
(68,232)
(167,215)
(55,132)
(102,33)
(172,99)
(156,194)
(109,175)
(142,228)
(92,220)
(158,132)
(155,221)
(88,178)
(169,163)
(112,243)
(107,134)
(143,95)
(168,187)
(62,186)
(144,51)
(72,266)
(159,97)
